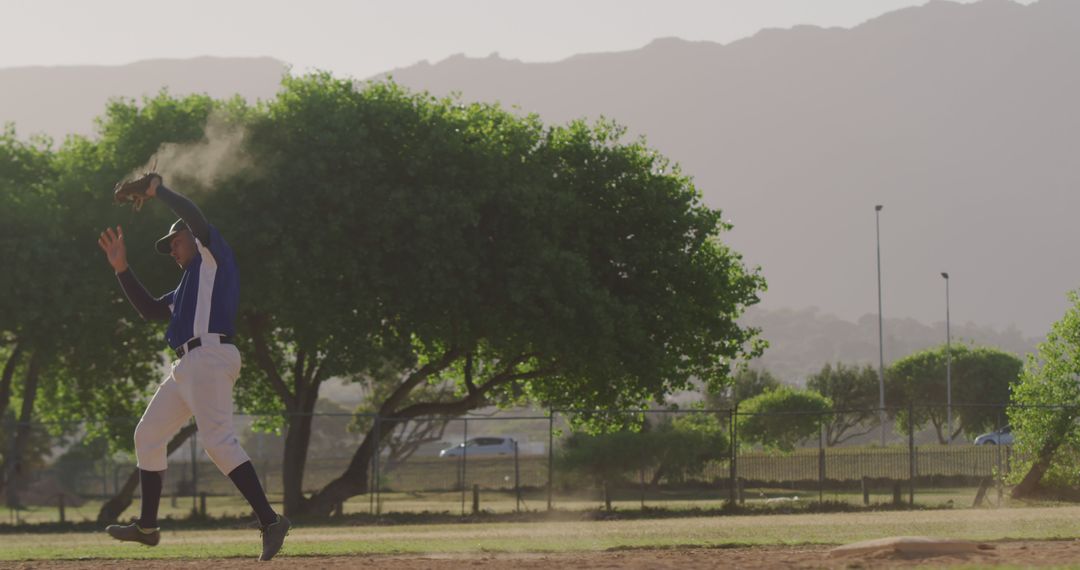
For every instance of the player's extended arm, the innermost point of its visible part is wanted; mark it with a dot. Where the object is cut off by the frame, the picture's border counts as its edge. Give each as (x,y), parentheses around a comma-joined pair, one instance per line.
(186,210)
(112,243)
(148,307)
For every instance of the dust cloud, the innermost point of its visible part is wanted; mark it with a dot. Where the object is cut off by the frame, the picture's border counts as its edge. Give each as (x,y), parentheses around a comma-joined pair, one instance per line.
(220,154)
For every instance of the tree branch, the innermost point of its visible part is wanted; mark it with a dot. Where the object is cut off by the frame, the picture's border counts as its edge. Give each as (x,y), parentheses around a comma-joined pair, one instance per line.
(266,363)
(840,439)
(467,403)
(414,379)
(469,386)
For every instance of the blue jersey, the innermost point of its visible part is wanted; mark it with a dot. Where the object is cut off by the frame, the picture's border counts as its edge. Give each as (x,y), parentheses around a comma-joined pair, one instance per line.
(208,296)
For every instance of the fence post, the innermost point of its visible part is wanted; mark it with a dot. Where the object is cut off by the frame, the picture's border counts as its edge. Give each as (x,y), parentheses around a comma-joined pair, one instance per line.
(641,473)
(476,499)
(104,476)
(821,463)
(9,483)
(911,453)
(517,480)
(997,455)
(551,455)
(194,471)
(61,500)
(464,462)
(375,458)
(733,493)
(371,474)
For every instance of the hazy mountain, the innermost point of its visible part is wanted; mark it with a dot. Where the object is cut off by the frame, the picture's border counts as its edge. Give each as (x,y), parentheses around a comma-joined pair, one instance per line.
(802,342)
(57,101)
(962,120)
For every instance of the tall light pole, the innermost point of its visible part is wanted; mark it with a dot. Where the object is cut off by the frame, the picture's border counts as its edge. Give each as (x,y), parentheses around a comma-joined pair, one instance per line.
(881,329)
(948,364)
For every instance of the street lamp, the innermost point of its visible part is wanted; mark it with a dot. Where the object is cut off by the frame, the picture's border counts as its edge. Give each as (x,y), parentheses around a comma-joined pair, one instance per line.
(948,363)
(881,329)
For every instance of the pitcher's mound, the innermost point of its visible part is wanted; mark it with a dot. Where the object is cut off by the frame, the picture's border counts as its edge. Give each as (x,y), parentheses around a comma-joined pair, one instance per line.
(911,547)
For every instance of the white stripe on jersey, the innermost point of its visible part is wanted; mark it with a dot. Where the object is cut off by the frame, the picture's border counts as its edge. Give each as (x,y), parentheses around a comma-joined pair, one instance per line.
(207,272)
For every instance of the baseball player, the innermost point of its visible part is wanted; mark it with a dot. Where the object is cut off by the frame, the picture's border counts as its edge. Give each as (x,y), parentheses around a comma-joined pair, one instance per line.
(201,314)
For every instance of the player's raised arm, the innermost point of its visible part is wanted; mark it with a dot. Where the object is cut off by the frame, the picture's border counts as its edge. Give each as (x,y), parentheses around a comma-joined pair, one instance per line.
(184,208)
(112,243)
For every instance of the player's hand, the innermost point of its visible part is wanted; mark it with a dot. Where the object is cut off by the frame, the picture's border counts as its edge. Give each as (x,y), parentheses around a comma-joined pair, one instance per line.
(112,243)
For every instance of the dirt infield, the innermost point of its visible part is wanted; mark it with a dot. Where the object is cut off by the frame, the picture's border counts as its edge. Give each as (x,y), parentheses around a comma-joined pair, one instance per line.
(1057,553)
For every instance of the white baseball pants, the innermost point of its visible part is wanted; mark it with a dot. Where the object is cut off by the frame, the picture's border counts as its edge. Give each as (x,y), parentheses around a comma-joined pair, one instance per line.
(200,384)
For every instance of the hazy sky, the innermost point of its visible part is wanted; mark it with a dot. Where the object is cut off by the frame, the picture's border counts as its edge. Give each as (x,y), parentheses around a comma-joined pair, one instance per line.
(362,38)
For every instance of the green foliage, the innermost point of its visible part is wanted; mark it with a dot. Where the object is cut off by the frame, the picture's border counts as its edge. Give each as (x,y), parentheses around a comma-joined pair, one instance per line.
(1047,399)
(381,233)
(687,443)
(854,392)
(424,226)
(781,418)
(745,384)
(675,448)
(981,380)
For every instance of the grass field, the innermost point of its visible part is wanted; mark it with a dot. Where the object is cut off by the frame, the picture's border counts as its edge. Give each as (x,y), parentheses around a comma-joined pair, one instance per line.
(233,505)
(580,536)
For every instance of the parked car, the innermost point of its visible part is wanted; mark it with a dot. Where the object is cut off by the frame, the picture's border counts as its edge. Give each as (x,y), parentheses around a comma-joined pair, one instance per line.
(1002,436)
(481,446)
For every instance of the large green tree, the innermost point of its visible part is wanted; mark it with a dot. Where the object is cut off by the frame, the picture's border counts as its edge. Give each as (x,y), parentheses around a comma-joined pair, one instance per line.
(452,245)
(673,446)
(1047,403)
(981,381)
(782,418)
(398,230)
(32,319)
(853,391)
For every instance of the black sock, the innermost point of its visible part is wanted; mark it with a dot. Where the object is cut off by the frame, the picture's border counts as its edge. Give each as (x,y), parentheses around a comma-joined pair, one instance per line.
(150,482)
(247,481)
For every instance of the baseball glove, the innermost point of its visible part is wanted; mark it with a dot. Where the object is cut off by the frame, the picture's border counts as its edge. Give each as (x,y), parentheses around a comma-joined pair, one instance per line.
(134,191)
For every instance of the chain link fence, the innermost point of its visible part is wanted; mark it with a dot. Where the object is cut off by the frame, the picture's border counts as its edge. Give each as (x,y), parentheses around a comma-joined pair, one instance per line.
(520,461)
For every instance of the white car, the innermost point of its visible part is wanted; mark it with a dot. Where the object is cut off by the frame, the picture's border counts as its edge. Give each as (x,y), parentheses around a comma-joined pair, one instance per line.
(481,447)
(1002,436)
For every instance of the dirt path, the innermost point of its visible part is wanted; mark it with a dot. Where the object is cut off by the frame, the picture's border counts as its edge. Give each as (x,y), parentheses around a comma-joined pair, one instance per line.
(1020,553)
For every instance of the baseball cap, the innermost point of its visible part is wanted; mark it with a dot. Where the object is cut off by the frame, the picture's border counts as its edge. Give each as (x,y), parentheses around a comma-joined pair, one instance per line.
(162,245)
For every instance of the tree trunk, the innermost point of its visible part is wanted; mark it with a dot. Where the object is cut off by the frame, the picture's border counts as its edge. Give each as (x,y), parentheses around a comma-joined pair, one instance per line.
(13,468)
(112,509)
(5,379)
(937,430)
(657,476)
(297,440)
(1031,483)
(354,481)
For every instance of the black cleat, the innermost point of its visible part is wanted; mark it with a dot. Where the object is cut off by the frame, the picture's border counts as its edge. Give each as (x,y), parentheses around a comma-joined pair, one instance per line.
(273,536)
(132,533)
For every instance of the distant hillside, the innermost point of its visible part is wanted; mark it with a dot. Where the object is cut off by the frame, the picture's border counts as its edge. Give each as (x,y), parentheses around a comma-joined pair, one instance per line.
(57,101)
(960,118)
(801,342)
